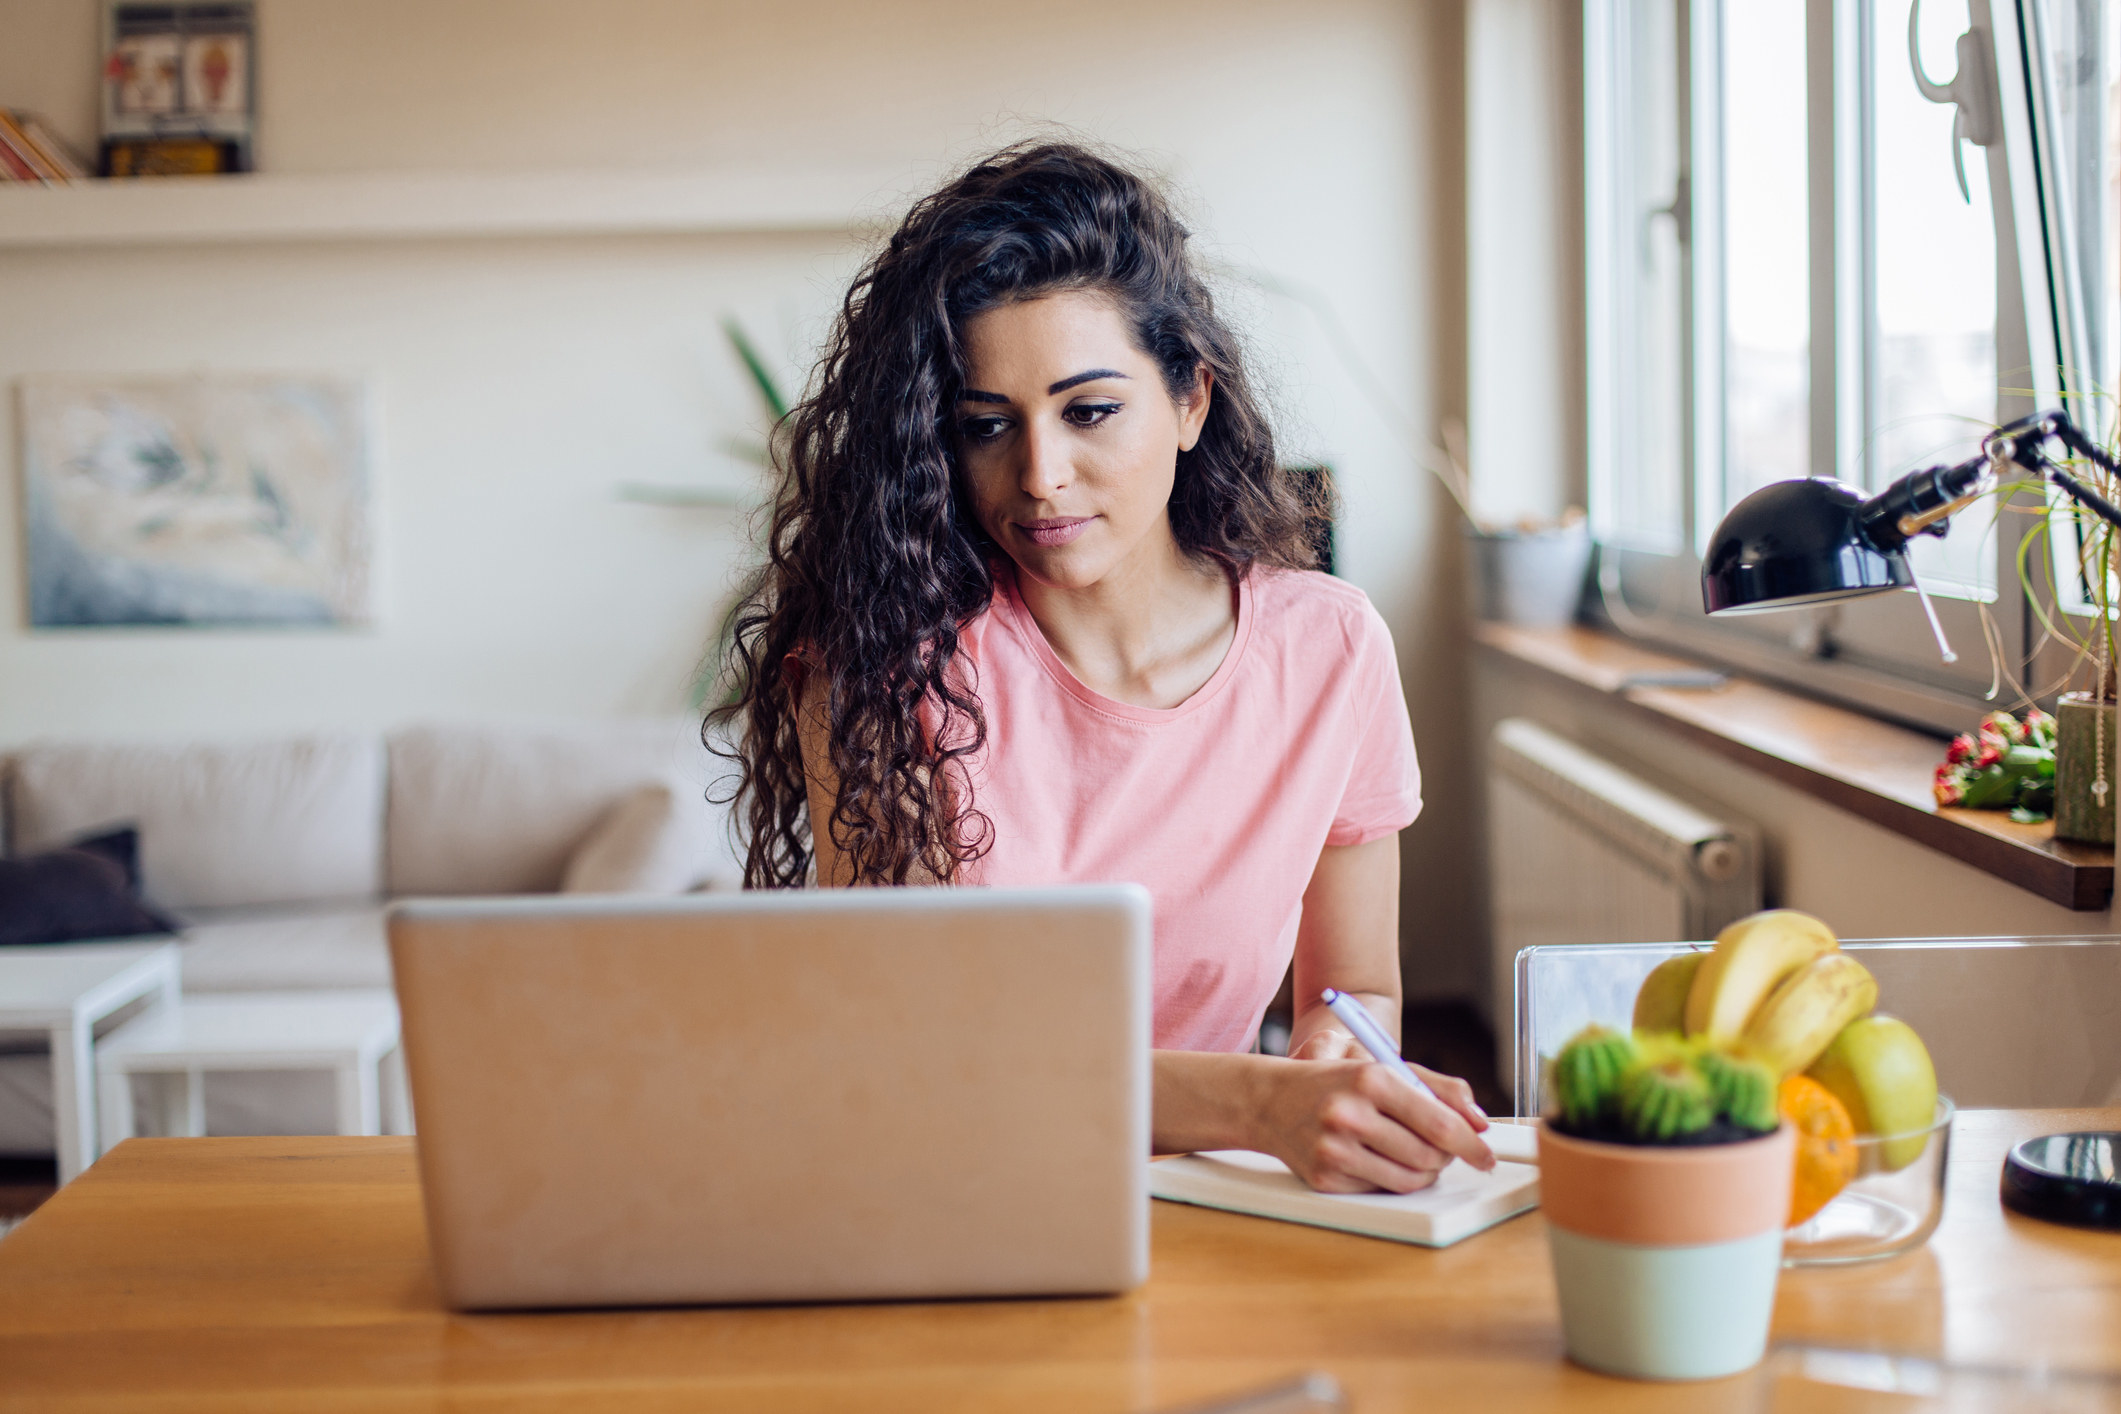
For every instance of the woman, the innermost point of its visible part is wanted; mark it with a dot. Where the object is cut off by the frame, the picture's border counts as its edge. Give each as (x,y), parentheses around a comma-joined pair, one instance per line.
(1039,608)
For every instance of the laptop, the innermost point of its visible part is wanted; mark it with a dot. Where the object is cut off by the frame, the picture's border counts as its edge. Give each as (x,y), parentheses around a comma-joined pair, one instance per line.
(818,1095)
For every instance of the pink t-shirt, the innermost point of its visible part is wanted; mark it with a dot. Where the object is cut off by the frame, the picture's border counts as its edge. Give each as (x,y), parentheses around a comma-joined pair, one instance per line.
(1219,806)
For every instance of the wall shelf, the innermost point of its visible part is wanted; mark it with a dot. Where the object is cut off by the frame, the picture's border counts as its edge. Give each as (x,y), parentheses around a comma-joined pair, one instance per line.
(429,205)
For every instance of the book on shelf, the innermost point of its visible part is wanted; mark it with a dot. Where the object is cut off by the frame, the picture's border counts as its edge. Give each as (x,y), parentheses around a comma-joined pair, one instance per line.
(170,157)
(14,167)
(31,152)
(69,163)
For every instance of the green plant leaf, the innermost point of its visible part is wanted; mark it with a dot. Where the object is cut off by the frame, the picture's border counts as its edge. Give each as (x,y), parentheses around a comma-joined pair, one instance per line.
(1991,790)
(756,366)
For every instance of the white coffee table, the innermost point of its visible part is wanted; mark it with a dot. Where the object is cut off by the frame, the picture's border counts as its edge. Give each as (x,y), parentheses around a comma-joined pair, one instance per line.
(63,990)
(349,1033)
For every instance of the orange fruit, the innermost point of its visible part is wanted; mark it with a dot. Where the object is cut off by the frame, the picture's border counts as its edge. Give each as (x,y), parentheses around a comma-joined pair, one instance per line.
(1826,1144)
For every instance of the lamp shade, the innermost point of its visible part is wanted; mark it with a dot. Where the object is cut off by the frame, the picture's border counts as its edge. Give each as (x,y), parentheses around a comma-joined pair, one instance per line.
(1794,543)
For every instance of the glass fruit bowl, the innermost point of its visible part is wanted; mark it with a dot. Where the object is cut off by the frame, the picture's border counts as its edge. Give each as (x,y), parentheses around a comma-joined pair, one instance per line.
(1892,1204)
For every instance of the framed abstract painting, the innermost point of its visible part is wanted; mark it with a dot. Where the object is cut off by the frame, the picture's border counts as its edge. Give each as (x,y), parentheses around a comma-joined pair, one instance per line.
(197,501)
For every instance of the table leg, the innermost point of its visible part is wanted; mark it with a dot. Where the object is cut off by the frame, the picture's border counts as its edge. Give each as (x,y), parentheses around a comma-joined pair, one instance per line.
(179,1096)
(397,1094)
(184,1104)
(74,1097)
(116,1104)
(359,1102)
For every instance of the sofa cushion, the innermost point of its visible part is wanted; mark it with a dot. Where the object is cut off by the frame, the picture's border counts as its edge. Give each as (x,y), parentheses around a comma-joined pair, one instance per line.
(501,810)
(289,820)
(282,950)
(639,846)
(84,890)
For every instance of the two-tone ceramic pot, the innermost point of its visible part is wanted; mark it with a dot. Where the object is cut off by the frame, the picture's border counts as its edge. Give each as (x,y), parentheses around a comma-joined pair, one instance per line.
(1666,1257)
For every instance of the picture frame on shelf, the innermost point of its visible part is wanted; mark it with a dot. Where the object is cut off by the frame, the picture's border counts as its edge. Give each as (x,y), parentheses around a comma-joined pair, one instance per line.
(179,88)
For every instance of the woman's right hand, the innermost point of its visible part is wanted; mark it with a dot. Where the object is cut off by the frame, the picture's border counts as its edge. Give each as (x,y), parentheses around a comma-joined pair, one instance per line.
(1352,1126)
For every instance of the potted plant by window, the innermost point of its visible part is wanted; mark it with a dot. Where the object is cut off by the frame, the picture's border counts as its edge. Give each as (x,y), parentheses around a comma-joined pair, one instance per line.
(2084,745)
(1665,1180)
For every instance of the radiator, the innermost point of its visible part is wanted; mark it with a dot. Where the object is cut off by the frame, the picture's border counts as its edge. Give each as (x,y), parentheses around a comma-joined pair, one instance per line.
(1580,851)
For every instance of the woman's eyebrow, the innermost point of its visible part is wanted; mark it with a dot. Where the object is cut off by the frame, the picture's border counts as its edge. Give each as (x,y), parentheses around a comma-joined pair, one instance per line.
(1066,383)
(981,395)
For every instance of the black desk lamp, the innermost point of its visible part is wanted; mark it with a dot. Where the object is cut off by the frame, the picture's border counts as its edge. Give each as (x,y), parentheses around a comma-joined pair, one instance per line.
(1809,542)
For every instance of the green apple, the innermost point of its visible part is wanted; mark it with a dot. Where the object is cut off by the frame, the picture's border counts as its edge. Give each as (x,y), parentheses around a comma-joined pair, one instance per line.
(1661,1004)
(1878,1067)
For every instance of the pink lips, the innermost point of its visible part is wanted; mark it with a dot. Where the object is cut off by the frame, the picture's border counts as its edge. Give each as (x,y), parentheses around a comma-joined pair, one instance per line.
(1049,533)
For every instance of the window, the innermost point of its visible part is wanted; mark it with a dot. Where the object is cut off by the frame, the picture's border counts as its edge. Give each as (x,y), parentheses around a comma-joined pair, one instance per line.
(1931,383)
(1766,265)
(1804,227)
(1637,233)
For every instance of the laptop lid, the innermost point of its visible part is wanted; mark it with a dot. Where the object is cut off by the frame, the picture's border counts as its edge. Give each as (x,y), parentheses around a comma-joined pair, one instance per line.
(784,1096)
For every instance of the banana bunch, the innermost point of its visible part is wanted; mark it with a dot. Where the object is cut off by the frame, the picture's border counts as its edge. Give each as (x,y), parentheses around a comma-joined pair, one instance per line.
(1776,986)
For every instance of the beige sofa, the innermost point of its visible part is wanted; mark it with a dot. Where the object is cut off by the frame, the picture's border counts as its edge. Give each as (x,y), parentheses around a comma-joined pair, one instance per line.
(279,855)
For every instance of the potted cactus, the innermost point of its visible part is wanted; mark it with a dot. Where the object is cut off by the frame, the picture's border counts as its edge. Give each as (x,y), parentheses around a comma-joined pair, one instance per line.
(1665,1179)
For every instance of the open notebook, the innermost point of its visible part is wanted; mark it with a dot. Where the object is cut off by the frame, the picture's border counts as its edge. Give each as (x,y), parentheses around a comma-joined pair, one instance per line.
(1460,1203)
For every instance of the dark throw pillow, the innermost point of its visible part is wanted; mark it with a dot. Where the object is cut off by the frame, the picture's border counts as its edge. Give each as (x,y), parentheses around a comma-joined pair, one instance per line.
(89,889)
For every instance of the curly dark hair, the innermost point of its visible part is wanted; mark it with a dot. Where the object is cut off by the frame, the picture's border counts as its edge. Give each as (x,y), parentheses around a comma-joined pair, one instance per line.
(874,561)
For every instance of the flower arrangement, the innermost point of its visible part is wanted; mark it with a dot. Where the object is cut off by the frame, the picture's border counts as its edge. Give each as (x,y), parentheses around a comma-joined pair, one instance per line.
(2007,764)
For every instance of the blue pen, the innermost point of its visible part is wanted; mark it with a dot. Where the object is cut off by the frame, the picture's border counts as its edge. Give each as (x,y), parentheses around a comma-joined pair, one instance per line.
(1356,1017)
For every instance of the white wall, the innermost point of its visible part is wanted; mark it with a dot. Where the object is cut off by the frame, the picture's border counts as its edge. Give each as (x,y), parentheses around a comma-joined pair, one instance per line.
(517,382)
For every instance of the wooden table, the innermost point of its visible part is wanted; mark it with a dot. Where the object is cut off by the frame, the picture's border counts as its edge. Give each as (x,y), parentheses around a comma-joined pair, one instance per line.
(271,1274)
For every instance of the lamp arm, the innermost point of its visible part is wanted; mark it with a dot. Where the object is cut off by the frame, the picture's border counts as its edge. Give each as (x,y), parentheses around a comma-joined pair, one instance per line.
(2021,442)
(2084,495)
(1922,501)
